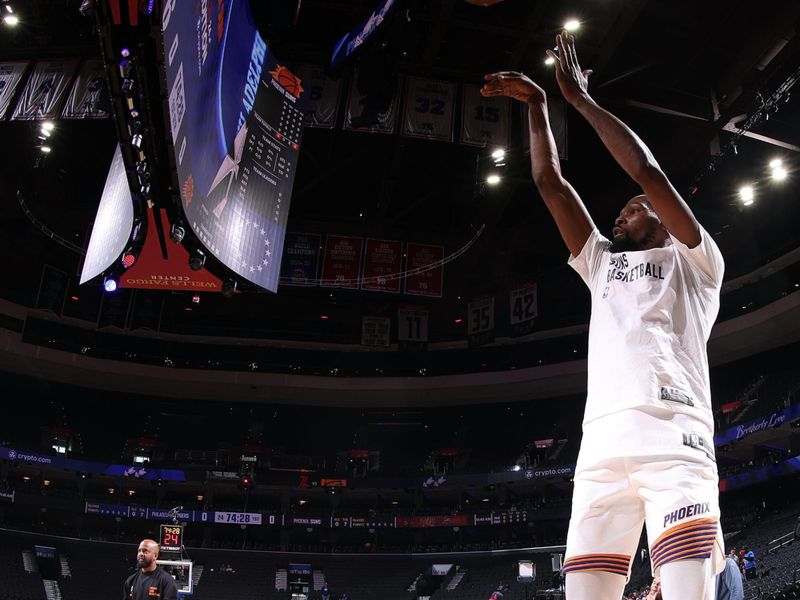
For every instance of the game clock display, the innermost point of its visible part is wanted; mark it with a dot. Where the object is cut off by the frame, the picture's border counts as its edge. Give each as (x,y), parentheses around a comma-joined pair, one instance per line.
(171,538)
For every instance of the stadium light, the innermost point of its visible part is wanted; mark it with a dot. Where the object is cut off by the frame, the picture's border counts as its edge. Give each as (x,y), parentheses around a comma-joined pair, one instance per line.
(779,174)
(177,232)
(228,288)
(778,170)
(128,259)
(197,260)
(747,195)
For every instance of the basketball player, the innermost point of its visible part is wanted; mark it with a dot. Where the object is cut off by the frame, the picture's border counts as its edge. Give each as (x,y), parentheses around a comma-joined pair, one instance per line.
(647,453)
(149,582)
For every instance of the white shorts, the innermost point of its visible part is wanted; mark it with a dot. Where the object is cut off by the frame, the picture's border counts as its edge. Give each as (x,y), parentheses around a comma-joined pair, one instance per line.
(676,497)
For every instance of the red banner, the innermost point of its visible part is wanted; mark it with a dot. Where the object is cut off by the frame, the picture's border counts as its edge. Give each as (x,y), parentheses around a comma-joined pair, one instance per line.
(340,266)
(429,282)
(433,521)
(382,258)
(153,270)
(731,406)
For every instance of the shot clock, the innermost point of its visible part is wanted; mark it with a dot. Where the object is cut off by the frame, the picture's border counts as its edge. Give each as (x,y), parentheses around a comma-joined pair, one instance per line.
(171,538)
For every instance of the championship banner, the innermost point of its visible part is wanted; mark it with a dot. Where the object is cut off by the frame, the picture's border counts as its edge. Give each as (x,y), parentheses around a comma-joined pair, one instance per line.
(523,309)
(341,262)
(375,331)
(46,88)
(362,116)
(484,121)
(429,109)
(323,96)
(85,97)
(382,259)
(480,321)
(113,223)
(412,324)
(557,115)
(300,259)
(428,282)
(236,115)
(10,76)
(433,521)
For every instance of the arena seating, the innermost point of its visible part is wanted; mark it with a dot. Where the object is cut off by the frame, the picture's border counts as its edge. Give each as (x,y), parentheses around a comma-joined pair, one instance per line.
(17,584)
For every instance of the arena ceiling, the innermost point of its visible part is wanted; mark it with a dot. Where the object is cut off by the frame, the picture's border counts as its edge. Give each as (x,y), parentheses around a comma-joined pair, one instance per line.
(678,72)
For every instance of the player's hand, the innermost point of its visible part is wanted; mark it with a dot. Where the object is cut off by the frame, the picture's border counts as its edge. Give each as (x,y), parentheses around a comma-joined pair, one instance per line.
(514,85)
(572,80)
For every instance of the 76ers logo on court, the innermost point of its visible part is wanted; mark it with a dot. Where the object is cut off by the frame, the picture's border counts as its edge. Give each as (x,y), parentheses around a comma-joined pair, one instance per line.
(287,80)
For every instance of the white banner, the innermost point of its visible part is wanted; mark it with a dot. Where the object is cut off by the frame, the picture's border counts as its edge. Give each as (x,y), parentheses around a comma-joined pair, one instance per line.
(83,101)
(324,100)
(375,331)
(523,304)
(10,76)
(484,121)
(429,109)
(45,90)
(412,325)
(557,115)
(363,116)
(480,315)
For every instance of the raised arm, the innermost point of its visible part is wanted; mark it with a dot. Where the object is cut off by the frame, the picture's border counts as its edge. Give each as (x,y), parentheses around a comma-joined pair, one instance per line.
(625,146)
(569,212)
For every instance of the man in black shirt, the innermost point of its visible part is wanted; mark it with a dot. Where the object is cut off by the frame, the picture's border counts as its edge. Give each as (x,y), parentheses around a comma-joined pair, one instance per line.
(149,582)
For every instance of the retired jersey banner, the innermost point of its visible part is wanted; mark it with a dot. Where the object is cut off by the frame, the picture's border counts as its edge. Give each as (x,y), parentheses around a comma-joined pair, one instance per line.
(480,317)
(429,109)
(484,121)
(300,259)
(383,260)
(10,76)
(523,304)
(323,96)
(85,99)
(428,282)
(363,115)
(480,321)
(375,331)
(557,115)
(341,262)
(45,90)
(236,117)
(412,324)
